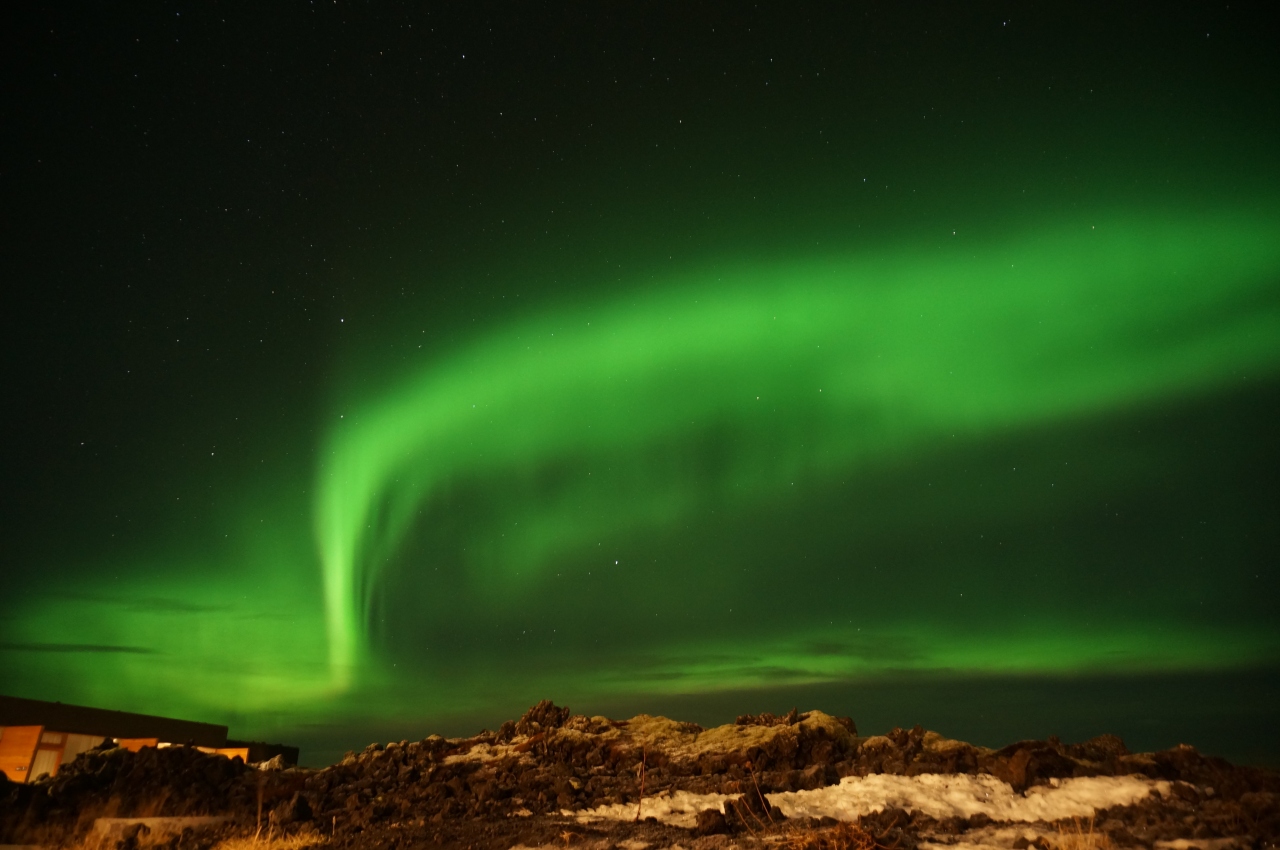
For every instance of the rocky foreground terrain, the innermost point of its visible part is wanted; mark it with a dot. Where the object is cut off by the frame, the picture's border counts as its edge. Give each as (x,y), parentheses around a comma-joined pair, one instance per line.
(554,778)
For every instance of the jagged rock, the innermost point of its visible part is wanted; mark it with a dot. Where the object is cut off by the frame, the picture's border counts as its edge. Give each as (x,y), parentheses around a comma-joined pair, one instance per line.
(767,719)
(711,822)
(551,760)
(1028,763)
(1104,749)
(296,810)
(273,764)
(543,717)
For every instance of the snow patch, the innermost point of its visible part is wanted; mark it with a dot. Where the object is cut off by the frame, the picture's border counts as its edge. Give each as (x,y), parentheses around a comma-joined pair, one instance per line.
(961,795)
(1202,843)
(936,795)
(679,808)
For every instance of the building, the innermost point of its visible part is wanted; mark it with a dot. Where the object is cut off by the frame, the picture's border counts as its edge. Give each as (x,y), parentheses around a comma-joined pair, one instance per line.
(38,737)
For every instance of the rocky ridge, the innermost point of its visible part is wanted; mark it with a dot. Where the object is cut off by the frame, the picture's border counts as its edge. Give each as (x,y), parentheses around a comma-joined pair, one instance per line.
(534,780)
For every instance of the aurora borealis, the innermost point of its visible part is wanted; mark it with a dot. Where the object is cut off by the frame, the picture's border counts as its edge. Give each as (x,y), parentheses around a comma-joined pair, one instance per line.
(644,366)
(595,422)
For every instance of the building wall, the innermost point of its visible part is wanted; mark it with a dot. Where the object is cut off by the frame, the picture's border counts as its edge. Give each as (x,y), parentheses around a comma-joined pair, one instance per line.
(27,752)
(46,763)
(38,737)
(17,749)
(77,744)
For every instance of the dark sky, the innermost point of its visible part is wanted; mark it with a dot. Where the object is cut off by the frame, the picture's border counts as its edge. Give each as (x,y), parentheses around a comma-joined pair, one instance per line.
(379,369)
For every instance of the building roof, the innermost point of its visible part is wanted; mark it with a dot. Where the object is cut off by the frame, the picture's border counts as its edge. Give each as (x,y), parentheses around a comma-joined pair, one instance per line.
(18,711)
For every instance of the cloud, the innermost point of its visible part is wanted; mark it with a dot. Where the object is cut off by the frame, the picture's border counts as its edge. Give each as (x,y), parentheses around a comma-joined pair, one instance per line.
(150,604)
(879,649)
(76,647)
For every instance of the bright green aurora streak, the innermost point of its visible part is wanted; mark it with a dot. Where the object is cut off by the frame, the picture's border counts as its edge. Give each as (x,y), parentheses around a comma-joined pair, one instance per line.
(819,368)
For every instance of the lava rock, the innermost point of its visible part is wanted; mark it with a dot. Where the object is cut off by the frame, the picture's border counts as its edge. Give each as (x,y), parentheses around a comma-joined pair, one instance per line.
(296,810)
(543,717)
(711,822)
(791,718)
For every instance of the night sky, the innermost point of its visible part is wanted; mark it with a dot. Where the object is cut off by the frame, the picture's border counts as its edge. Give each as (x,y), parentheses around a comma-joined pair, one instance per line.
(374,370)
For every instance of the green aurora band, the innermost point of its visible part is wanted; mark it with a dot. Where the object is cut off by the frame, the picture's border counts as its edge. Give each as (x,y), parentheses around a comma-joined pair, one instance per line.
(793,465)
(820,368)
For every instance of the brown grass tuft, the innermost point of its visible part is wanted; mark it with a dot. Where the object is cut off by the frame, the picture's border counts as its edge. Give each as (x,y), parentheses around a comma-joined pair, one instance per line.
(281,842)
(1076,838)
(842,836)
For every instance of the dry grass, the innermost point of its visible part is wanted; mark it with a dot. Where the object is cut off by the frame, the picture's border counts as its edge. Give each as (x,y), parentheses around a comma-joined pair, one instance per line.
(269,842)
(842,836)
(97,841)
(1076,838)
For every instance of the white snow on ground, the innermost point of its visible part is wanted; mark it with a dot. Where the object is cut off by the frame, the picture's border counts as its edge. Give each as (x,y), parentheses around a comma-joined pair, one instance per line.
(936,795)
(962,795)
(678,809)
